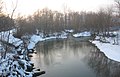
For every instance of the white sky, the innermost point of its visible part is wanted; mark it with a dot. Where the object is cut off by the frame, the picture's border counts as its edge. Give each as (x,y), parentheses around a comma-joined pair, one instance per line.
(26,7)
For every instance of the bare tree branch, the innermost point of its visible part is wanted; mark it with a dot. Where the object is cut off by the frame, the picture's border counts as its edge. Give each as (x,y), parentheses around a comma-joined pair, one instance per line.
(14,8)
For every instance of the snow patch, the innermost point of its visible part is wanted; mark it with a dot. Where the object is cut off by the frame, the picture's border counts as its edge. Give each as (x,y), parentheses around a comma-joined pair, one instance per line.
(111,51)
(70,31)
(4,36)
(82,34)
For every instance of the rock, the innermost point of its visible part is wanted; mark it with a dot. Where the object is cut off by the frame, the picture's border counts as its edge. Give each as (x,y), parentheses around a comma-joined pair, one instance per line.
(19,52)
(38,73)
(16,56)
(31,50)
(32,64)
(35,52)
(29,68)
(26,73)
(30,55)
(16,47)
(21,64)
(37,70)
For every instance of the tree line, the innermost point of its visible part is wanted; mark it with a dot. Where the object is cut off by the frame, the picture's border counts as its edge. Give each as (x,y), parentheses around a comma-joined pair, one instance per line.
(48,21)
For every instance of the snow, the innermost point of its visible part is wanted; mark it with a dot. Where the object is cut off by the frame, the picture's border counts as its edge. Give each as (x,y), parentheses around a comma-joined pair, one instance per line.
(71,31)
(110,49)
(82,34)
(62,35)
(36,38)
(12,39)
(8,66)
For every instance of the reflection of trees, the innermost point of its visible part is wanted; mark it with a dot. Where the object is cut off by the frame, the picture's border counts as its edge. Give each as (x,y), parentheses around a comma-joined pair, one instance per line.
(47,46)
(103,66)
(52,51)
(46,50)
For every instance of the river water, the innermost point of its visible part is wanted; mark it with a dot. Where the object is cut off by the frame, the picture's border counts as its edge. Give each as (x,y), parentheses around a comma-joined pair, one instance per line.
(73,58)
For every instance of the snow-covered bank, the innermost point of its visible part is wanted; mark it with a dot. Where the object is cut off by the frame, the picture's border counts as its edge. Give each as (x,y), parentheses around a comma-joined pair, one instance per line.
(70,31)
(4,36)
(11,67)
(111,46)
(111,51)
(15,63)
(36,38)
(84,34)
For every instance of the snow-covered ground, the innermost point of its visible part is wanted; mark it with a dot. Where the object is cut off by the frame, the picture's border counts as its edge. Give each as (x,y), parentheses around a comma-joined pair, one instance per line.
(10,65)
(36,38)
(70,31)
(12,39)
(111,46)
(82,34)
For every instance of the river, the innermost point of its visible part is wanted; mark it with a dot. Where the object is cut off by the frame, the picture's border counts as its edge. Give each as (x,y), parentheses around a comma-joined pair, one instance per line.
(73,58)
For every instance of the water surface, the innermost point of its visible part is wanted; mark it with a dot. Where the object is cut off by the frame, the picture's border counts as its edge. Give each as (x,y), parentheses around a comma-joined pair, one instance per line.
(73,58)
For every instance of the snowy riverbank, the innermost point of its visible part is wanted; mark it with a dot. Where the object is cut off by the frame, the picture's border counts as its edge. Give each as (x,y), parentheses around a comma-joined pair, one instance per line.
(85,34)
(16,62)
(110,46)
(37,38)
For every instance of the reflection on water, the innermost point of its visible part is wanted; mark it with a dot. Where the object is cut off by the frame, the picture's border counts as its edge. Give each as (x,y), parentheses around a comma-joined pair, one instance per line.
(70,58)
(103,66)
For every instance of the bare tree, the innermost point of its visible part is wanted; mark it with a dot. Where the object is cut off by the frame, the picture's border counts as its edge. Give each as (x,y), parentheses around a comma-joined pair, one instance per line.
(7,22)
(109,14)
(118,6)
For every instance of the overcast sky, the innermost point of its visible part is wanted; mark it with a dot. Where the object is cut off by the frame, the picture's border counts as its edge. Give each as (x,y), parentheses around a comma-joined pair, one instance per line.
(26,7)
